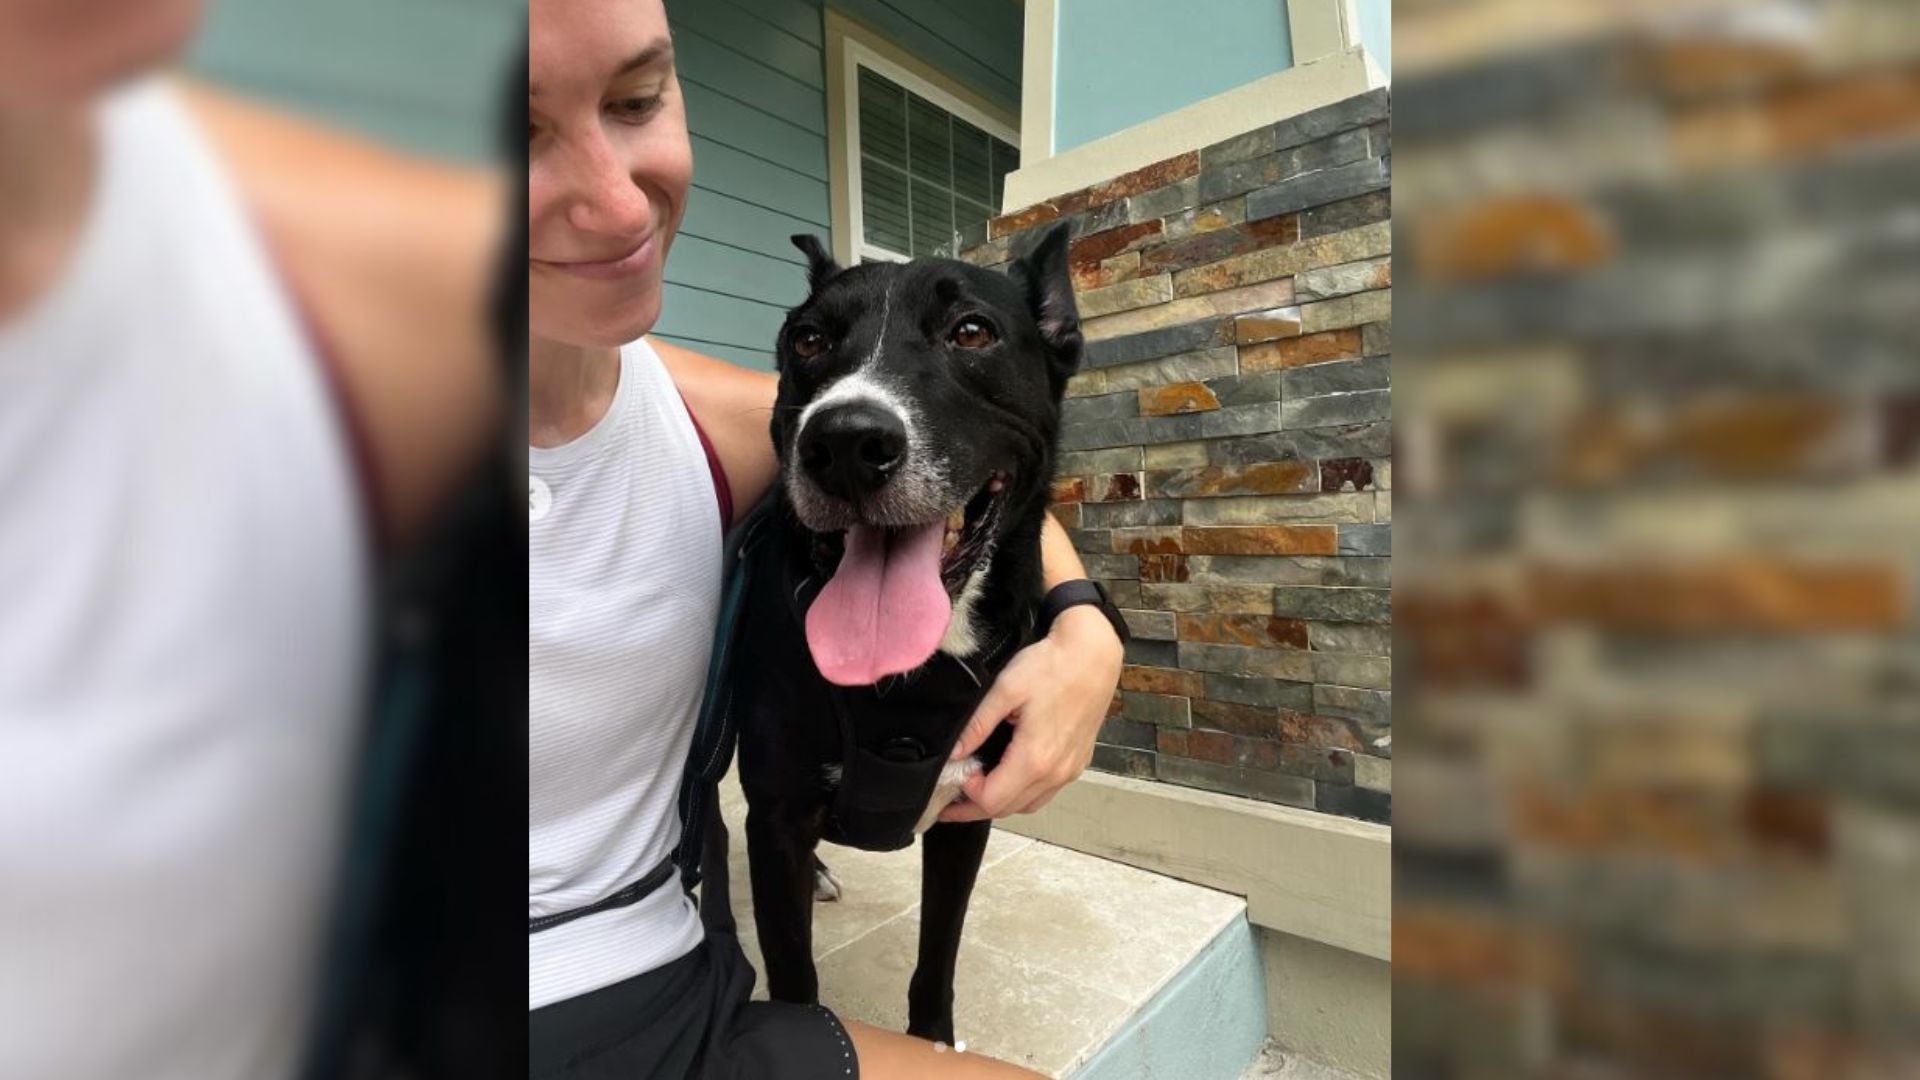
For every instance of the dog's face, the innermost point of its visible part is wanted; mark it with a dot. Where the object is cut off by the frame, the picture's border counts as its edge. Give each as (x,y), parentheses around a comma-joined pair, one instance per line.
(916,416)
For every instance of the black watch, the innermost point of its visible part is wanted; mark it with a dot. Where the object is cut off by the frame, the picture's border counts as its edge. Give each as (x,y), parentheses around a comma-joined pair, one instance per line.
(1083,591)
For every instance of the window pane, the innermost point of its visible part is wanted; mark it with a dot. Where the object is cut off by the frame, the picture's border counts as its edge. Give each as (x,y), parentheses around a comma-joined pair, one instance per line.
(972,172)
(929,142)
(883,205)
(924,173)
(883,119)
(932,219)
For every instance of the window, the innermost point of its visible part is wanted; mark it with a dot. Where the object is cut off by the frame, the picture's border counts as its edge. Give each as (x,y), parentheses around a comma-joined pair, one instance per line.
(922,164)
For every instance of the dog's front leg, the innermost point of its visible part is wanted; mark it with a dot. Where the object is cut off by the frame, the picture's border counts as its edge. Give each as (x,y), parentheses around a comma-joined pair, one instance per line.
(780,843)
(950,854)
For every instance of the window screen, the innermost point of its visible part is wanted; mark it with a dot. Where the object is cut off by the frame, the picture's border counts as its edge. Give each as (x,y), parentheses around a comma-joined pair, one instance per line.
(924,173)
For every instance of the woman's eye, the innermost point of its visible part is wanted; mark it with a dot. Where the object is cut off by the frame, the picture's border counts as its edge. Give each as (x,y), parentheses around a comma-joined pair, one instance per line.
(636,108)
(972,333)
(808,344)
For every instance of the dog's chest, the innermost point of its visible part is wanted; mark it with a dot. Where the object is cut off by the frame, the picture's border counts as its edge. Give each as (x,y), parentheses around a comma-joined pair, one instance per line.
(875,756)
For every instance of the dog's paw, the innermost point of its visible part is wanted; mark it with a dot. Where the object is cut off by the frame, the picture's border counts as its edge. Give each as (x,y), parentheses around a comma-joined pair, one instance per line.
(826,887)
(953,776)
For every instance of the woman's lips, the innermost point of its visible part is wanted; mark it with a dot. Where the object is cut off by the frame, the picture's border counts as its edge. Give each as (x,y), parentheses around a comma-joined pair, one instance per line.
(633,262)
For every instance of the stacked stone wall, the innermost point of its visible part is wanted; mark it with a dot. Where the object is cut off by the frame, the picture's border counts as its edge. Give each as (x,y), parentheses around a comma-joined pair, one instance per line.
(1227,453)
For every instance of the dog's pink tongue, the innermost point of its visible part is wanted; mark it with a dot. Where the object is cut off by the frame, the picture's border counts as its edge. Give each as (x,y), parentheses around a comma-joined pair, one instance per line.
(885,610)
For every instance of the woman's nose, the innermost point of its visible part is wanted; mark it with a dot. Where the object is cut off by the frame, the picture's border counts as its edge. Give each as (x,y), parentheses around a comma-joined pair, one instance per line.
(606,197)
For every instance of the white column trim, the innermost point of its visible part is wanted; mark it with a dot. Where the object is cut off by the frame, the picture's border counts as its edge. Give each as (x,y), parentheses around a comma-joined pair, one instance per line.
(1038,50)
(1321,28)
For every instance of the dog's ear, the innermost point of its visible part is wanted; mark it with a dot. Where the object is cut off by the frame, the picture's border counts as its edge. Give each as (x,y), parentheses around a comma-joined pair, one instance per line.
(1049,287)
(820,266)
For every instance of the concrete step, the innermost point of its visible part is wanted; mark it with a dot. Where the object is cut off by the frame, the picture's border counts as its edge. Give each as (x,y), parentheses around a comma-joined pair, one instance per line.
(1277,1064)
(1072,966)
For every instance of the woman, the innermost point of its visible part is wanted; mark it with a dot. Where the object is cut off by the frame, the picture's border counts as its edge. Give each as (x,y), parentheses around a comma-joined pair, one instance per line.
(639,450)
(234,349)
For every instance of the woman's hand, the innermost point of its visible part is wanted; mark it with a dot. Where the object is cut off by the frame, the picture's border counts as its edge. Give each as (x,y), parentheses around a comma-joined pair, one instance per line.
(1055,692)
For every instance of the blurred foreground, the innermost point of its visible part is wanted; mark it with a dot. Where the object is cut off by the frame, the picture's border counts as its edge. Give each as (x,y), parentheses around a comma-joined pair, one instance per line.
(1658,675)
(260,539)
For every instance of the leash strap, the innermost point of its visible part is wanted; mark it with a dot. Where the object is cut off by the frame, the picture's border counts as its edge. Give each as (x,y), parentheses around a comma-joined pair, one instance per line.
(715,732)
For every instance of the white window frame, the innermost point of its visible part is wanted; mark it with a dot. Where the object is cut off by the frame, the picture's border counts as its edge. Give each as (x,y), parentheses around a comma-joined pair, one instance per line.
(857,53)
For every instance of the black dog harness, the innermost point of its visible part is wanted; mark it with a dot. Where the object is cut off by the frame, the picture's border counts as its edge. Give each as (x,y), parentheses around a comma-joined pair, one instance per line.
(884,789)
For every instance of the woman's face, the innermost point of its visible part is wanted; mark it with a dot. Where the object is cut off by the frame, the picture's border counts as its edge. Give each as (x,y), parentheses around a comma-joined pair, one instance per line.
(65,52)
(608,168)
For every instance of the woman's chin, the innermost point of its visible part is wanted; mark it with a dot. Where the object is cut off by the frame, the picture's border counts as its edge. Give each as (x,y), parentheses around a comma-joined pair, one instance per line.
(604,326)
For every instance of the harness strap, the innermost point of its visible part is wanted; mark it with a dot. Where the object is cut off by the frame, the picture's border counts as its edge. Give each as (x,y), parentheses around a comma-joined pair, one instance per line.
(884,791)
(626,897)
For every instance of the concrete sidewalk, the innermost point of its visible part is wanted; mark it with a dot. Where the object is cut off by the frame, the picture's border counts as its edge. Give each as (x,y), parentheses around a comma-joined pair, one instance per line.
(1071,964)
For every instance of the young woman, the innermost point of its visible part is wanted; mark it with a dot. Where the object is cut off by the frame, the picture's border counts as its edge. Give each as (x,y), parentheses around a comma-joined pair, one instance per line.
(234,351)
(640,451)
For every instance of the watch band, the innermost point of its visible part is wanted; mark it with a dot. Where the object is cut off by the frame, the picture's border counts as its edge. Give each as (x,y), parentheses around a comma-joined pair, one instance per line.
(1079,591)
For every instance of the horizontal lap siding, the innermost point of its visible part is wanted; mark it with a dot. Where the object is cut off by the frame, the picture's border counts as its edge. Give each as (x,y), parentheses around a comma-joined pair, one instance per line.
(753,76)
(754,83)
(976,42)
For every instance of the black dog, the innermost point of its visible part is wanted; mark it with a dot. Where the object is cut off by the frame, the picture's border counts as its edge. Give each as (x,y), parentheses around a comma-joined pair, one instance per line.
(898,572)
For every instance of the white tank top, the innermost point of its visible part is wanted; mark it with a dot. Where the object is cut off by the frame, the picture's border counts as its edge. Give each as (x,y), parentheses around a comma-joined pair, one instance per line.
(183,588)
(623,589)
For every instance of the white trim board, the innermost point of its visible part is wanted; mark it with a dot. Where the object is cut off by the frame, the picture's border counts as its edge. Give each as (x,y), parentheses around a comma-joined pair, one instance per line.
(1037,59)
(1324,878)
(1320,28)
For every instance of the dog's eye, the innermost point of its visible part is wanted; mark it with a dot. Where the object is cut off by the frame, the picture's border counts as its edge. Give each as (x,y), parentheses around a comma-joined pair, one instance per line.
(808,343)
(972,333)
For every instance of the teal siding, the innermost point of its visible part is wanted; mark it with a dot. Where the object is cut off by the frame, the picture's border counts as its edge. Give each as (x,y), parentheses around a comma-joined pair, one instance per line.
(760,181)
(741,126)
(754,78)
(975,41)
(751,36)
(725,70)
(1118,63)
(424,75)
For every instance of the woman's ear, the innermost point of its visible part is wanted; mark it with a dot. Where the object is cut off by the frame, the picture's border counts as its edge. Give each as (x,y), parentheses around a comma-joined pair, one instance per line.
(1049,287)
(820,266)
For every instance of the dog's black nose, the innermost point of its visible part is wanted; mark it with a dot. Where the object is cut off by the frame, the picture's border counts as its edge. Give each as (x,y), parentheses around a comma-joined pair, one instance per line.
(850,450)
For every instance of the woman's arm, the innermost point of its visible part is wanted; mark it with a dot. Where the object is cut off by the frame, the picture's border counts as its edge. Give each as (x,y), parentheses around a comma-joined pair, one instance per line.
(734,407)
(1056,692)
(392,259)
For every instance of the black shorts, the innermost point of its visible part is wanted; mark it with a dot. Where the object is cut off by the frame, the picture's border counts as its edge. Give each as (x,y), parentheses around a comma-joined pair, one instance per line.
(690,1019)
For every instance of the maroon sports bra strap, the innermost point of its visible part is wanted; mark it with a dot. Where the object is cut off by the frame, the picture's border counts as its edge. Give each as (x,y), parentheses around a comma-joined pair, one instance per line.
(721,491)
(366,466)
